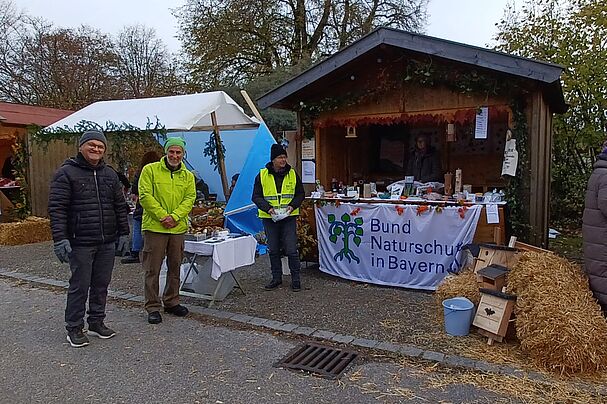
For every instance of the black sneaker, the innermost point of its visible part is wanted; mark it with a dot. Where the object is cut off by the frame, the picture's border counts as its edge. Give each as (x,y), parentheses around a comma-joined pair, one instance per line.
(273,284)
(154,317)
(179,310)
(101,331)
(296,286)
(131,259)
(76,338)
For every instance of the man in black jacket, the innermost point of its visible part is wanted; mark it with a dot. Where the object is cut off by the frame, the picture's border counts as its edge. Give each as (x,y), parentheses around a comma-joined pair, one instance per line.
(89,222)
(278,193)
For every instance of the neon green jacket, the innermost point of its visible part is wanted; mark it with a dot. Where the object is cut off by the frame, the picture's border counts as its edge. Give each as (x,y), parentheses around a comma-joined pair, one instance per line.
(163,193)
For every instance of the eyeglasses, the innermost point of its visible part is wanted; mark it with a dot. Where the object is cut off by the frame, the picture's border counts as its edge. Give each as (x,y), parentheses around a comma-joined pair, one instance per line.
(95,146)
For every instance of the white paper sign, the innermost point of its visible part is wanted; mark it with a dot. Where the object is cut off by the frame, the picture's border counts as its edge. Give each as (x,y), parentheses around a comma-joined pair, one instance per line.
(510,158)
(308,172)
(308,149)
(482,121)
(493,216)
(393,245)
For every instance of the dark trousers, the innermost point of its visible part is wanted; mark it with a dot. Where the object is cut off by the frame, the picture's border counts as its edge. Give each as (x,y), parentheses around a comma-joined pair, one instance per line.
(91,268)
(282,238)
(155,247)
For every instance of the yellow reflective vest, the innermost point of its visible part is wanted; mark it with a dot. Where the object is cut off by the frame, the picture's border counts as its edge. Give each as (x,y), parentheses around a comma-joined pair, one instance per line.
(270,194)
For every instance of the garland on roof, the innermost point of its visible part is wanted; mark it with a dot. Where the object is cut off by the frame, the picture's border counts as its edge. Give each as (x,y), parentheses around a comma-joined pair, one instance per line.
(124,139)
(424,73)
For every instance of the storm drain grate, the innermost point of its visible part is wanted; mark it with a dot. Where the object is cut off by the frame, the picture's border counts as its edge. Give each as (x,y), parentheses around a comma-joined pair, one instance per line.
(325,361)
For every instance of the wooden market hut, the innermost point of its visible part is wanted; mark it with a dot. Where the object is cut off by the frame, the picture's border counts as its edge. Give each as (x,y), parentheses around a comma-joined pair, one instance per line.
(14,122)
(364,105)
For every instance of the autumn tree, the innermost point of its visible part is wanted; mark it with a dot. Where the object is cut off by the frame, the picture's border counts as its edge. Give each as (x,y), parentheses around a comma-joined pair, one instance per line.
(230,42)
(143,63)
(61,68)
(573,34)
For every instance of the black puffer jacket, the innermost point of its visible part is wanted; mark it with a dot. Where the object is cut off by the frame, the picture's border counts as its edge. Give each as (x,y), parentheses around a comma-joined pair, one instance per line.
(86,203)
(594,231)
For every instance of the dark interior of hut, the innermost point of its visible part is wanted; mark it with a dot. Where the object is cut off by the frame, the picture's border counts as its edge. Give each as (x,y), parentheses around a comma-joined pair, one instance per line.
(380,152)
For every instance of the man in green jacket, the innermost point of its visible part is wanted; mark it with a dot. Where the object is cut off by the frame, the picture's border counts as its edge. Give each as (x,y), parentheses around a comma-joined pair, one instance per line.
(167,192)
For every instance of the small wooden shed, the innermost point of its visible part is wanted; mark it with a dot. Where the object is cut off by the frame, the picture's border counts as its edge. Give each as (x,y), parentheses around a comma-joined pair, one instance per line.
(363,106)
(42,162)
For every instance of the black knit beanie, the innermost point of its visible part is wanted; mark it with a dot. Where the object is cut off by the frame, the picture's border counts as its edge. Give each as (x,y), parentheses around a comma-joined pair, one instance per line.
(277,150)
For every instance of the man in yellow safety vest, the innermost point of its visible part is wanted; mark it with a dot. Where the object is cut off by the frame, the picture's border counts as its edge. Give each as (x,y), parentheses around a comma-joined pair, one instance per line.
(278,193)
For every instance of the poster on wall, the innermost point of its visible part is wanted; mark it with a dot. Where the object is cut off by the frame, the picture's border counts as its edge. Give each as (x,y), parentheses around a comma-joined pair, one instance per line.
(308,172)
(482,123)
(308,151)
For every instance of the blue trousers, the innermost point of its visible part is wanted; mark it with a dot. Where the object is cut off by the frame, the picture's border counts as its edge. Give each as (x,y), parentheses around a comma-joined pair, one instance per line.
(137,236)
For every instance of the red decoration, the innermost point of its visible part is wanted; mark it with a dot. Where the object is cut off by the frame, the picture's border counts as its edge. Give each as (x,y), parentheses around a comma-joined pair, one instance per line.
(355,212)
(399,210)
(421,209)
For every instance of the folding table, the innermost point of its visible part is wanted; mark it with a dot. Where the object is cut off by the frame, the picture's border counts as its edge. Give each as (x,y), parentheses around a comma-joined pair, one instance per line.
(227,255)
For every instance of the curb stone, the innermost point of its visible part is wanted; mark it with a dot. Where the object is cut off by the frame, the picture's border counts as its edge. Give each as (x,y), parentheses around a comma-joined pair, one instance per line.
(404,349)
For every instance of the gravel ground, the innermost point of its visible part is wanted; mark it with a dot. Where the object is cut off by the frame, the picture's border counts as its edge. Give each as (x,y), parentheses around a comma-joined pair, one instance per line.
(327,302)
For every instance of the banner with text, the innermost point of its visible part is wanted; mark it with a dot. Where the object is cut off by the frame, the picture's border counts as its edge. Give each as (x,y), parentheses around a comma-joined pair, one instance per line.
(413,246)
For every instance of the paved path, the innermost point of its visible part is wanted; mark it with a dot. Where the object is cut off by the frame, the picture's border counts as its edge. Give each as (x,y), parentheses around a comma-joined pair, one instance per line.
(178,361)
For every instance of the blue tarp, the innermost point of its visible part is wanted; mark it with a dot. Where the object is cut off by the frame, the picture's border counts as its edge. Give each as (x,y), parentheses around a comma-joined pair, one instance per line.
(240,212)
(237,144)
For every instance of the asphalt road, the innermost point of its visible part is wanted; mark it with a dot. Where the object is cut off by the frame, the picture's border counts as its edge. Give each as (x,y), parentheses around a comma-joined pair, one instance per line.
(179,361)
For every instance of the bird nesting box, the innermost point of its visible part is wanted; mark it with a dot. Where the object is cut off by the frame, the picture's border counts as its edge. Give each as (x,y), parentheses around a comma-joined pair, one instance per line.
(492,277)
(495,254)
(493,313)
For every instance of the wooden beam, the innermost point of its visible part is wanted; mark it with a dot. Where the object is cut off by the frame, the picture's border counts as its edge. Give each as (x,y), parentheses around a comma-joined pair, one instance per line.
(220,157)
(251,105)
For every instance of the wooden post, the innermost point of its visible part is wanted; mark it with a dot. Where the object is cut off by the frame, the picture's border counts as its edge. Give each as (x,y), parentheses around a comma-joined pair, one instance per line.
(249,101)
(220,157)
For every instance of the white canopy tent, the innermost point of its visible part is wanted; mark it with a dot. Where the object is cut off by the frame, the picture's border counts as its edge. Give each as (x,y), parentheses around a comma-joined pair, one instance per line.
(190,112)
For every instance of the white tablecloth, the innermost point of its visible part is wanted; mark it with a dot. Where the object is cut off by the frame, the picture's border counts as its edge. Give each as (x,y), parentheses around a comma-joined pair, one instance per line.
(227,255)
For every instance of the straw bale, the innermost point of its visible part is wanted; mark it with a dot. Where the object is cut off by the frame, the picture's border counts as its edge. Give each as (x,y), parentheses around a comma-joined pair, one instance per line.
(558,321)
(461,284)
(31,230)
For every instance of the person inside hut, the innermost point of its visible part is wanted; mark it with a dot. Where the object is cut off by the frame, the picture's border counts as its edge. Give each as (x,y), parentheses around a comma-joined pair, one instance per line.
(594,230)
(424,162)
(8,168)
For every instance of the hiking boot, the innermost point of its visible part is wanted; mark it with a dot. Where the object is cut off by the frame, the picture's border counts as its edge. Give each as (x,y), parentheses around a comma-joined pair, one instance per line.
(101,331)
(179,310)
(273,284)
(76,338)
(131,259)
(154,317)
(296,286)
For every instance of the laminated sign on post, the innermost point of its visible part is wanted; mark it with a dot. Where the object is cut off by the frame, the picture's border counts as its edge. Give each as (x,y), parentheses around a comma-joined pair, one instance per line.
(510,158)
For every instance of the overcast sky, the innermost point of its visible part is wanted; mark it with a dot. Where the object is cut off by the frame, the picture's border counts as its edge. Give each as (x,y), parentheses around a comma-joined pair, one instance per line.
(467,21)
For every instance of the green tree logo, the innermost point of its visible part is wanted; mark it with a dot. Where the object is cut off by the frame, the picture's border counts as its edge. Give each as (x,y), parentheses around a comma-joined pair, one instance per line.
(345,229)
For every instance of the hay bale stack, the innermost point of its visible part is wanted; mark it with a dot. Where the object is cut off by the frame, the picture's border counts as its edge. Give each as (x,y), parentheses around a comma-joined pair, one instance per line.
(462,284)
(31,230)
(558,321)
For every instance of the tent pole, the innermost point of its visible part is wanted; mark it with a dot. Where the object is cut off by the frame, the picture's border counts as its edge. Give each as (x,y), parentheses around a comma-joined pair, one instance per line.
(220,157)
(249,101)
